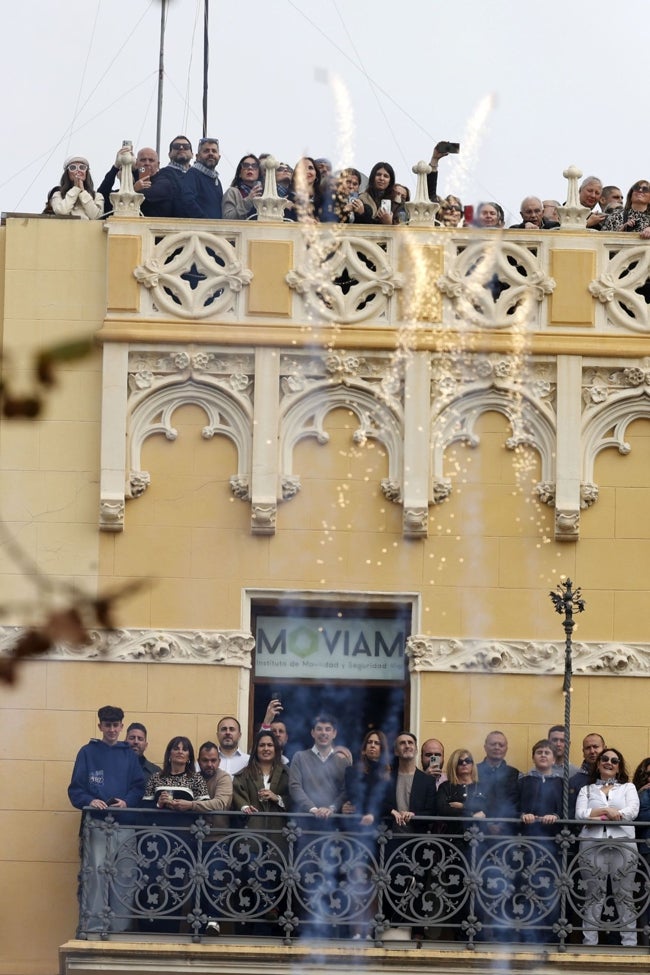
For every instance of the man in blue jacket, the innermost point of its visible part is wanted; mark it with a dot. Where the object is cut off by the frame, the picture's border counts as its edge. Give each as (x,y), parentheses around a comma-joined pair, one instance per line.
(106,775)
(201,191)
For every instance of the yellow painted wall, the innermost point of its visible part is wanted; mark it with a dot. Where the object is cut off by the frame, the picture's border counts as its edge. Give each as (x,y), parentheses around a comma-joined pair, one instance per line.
(484,571)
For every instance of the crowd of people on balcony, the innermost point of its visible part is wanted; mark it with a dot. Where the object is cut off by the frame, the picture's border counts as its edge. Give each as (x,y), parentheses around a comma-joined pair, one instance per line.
(385,785)
(312,192)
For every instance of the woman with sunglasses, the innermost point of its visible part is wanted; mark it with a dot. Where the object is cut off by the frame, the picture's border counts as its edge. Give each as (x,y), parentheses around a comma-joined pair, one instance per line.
(246,187)
(461,794)
(450,213)
(608,805)
(635,215)
(76,195)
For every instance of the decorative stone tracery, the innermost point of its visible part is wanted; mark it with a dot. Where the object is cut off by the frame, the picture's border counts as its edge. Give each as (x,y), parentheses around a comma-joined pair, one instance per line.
(464,388)
(193,275)
(160,383)
(346,279)
(495,283)
(623,286)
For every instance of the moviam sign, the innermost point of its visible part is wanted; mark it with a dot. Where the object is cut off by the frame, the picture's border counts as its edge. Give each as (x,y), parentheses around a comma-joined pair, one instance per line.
(314,647)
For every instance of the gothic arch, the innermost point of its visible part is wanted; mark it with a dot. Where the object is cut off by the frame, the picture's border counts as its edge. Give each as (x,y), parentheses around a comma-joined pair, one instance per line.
(152,414)
(304,416)
(615,416)
(532,423)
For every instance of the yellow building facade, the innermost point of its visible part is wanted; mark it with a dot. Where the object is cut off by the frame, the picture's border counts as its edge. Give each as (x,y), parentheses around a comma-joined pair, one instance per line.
(345,421)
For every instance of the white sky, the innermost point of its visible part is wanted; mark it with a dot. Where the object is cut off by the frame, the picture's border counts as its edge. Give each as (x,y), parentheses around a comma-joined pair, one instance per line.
(566,82)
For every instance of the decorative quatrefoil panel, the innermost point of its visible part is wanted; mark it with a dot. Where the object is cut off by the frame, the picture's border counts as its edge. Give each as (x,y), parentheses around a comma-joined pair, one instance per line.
(194,275)
(496,283)
(346,279)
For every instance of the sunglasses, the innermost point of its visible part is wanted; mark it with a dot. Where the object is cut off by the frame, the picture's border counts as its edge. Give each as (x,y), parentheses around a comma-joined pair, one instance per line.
(612,759)
(642,189)
(181,145)
(433,754)
(465,761)
(73,167)
(250,165)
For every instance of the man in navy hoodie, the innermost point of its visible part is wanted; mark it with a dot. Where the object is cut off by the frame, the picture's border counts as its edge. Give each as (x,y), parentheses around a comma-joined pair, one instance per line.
(106,775)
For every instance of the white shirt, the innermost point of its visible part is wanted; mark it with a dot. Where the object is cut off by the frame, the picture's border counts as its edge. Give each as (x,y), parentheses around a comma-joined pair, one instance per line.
(233,763)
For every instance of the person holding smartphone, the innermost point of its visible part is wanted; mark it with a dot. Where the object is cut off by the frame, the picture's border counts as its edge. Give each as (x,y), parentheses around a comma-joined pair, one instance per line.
(432,760)
(379,195)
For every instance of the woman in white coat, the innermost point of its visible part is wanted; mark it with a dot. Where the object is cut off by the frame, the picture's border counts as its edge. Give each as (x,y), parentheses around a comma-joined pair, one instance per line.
(608,805)
(76,195)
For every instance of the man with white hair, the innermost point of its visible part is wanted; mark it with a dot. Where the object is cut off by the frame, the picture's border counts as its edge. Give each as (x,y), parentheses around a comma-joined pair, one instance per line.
(591,190)
(532,216)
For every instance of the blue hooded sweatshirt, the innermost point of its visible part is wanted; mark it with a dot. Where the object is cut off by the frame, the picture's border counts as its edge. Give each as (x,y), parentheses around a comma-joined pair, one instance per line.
(106,772)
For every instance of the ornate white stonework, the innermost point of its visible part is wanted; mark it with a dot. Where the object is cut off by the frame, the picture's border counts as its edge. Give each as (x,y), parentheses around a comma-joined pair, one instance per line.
(193,275)
(623,285)
(421,210)
(464,387)
(613,397)
(496,283)
(162,381)
(346,279)
(573,216)
(111,515)
(229,648)
(526,657)
(126,202)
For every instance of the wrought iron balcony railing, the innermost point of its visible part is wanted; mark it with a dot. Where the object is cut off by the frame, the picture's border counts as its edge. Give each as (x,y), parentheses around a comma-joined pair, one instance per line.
(292,876)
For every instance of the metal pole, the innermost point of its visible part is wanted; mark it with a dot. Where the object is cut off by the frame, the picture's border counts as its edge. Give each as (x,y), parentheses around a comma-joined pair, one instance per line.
(206,59)
(161,72)
(567,601)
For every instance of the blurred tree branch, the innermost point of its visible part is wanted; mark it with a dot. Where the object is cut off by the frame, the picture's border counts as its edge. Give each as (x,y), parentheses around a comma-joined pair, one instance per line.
(65,612)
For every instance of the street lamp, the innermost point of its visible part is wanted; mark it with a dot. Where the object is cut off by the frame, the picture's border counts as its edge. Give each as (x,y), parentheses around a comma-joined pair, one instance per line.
(568,602)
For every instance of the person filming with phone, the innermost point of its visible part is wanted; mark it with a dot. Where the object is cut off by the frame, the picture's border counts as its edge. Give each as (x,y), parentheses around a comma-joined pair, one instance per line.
(432,760)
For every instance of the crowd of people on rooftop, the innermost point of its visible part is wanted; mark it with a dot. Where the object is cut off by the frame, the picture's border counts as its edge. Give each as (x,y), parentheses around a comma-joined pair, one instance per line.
(385,784)
(313,192)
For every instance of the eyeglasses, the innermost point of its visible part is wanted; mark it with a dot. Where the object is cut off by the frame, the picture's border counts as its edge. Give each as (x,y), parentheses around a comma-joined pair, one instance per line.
(465,761)
(181,145)
(642,189)
(612,759)
(73,167)
(433,754)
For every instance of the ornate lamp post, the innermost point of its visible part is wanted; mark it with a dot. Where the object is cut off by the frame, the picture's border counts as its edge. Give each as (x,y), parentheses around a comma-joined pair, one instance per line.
(568,602)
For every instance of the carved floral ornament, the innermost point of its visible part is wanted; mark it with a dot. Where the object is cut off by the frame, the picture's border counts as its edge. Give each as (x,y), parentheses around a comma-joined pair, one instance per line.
(346,279)
(496,283)
(624,288)
(194,275)
(229,648)
(526,657)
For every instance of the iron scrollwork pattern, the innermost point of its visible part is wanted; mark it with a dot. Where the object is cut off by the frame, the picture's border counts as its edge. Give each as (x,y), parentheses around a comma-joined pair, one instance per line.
(175,873)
